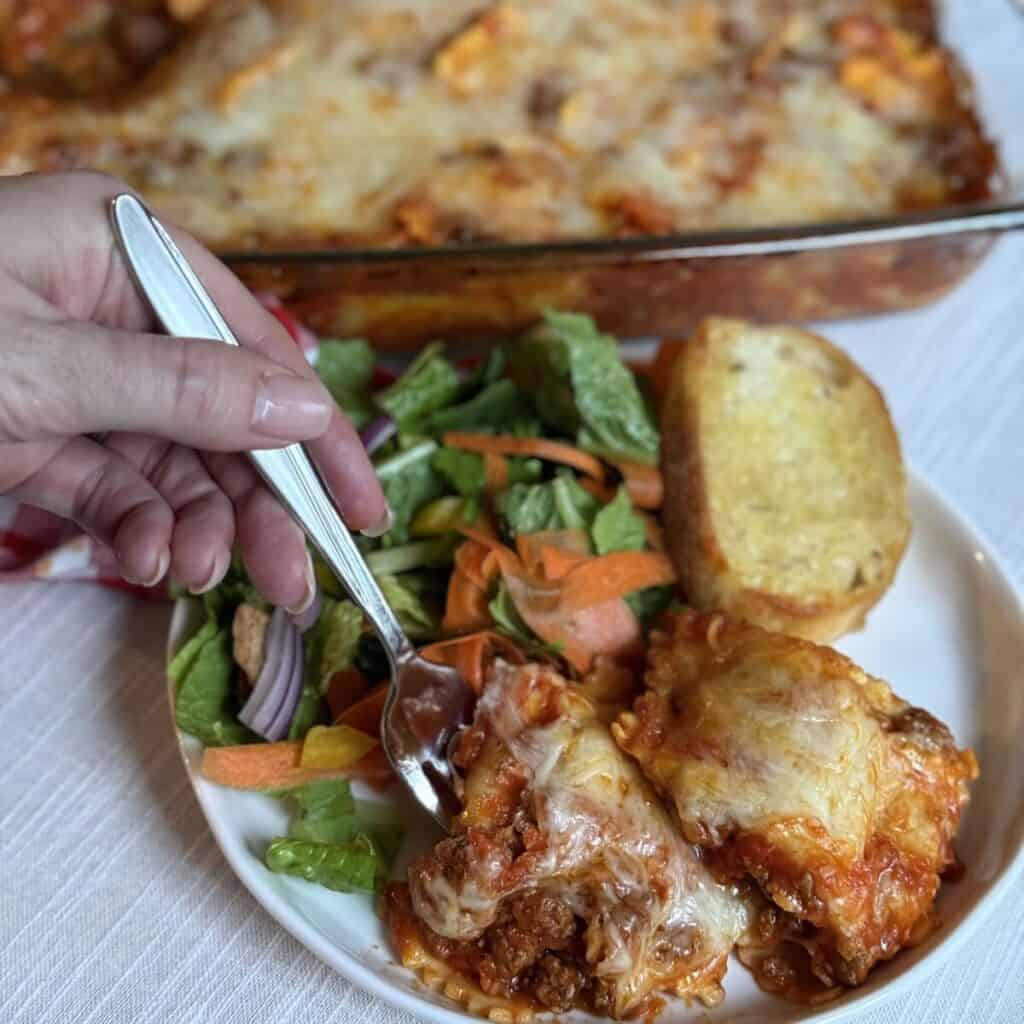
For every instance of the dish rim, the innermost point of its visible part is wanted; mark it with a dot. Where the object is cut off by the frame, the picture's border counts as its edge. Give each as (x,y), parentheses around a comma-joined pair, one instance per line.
(984,216)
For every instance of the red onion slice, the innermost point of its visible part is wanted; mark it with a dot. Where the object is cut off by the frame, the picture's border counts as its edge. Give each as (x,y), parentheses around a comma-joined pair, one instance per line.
(283,719)
(377,433)
(274,682)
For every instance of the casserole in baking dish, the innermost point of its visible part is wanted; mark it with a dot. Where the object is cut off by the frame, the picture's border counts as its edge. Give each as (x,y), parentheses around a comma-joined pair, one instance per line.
(271,127)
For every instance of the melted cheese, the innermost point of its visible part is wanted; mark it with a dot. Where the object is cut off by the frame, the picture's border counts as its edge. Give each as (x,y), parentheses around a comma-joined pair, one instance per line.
(320,121)
(791,765)
(609,851)
(766,745)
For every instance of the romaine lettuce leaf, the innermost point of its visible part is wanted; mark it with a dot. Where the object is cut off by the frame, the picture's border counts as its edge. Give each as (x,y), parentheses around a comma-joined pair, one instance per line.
(342,627)
(325,810)
(346,369)
(330,645)
(429,383)
(581,387)
(617,527)
(464,471)
(344,867)
(487,372)
(187,654)
(539,363)
(409,481)
(419,621)
(328,826)
(203,705)
(555,505)
(528,508)
(576,507)
(496,408)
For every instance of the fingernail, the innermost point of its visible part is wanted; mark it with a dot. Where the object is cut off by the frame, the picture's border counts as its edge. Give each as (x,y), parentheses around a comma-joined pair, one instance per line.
(307,597)
(382,527)
(290,408)
(162,565)
(218,570)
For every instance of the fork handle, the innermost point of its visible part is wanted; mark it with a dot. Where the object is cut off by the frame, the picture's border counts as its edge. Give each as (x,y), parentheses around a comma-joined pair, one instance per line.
(293,478)
(185,308)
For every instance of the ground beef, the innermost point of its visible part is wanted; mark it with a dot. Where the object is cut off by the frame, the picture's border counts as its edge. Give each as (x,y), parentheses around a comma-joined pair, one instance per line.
(508,952)
(530,927)
(556,982)
(545,916)
(460,856)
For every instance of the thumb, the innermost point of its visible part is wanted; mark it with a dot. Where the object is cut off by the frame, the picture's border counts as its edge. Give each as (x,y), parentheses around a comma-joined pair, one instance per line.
(66,378)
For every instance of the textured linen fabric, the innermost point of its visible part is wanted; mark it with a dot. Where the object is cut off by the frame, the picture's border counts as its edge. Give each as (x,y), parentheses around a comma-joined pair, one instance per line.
(116,904)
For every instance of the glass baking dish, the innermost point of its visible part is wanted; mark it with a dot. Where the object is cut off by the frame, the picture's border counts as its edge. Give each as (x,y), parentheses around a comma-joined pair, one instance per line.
(399,298)
(633,287)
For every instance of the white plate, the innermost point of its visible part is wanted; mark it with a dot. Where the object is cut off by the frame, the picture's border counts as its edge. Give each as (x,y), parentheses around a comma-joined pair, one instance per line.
(949,637)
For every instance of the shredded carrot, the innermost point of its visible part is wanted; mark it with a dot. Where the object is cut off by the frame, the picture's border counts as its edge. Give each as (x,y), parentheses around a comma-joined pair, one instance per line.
(365,713)
(607,628)
(615,575)
(530,546)
(602,492)
(469,587)
(536,447)
(465,607)
(345,688)
(557,563)
(262,766)
(537,603)
(472,655)
(472,561)
(495,472)
(501,555)
(643,484)
(528,549)
(482,533)
(277,766)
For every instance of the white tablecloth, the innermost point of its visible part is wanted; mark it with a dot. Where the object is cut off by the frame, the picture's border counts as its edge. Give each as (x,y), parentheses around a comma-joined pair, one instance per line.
(115,903)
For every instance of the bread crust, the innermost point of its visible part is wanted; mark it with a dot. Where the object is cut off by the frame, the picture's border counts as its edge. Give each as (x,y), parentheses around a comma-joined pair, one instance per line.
(709,576)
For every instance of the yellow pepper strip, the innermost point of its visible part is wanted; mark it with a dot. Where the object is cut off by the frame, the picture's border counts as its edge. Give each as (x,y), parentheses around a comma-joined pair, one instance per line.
(334,747)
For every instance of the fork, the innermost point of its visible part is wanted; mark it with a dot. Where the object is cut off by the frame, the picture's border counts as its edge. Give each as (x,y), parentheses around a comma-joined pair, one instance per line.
(426,703)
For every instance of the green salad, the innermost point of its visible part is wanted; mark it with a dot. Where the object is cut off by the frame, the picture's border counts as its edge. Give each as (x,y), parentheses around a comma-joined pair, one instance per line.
(524,490)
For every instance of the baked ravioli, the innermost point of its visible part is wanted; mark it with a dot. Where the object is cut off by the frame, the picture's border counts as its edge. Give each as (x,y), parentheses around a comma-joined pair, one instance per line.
(791,767)
(565,883)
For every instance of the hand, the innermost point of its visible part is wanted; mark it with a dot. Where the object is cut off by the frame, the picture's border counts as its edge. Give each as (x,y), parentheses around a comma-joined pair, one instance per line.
(166,489)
